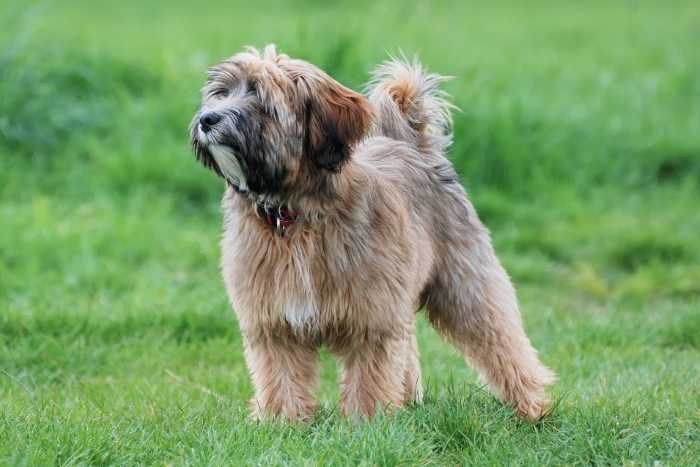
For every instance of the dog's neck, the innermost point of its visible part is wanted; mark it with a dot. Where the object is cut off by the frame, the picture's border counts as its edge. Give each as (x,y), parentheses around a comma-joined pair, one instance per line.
(279,217)
(282,212)
(271,209)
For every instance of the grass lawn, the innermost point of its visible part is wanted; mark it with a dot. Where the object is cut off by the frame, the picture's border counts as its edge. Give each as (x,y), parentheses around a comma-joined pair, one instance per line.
(578,141)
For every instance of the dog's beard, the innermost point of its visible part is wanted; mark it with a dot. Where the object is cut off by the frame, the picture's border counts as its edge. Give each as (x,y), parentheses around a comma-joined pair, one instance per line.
(225,159)
(228,165)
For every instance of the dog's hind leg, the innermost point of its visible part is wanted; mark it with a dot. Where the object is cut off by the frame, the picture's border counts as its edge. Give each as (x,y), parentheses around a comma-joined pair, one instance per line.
(471,302)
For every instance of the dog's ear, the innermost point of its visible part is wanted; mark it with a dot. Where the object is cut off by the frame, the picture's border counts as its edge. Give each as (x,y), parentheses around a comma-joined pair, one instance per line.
(336,118)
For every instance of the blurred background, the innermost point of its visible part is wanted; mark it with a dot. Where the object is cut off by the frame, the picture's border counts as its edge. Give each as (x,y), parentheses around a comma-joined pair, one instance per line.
(578,140)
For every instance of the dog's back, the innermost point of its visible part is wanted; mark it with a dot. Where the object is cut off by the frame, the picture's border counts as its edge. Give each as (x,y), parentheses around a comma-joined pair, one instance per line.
(411,109)
(412,133)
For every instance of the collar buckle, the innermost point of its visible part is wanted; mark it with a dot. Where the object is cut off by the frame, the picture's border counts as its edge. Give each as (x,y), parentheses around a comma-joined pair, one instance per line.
(279,217)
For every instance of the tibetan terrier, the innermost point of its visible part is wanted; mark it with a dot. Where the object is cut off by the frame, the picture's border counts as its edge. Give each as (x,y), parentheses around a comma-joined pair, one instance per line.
(343,219)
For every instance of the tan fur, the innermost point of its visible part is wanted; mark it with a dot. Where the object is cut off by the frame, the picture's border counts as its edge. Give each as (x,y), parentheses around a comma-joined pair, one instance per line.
(388,230)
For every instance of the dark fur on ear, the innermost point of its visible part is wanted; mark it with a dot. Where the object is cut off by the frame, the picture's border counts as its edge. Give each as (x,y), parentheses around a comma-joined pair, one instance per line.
(336,118)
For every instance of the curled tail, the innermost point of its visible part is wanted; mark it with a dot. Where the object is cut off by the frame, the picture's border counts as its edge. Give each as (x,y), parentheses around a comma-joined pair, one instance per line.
(410,105)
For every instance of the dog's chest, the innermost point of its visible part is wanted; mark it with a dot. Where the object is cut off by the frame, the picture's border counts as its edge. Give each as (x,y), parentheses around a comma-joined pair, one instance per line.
(299,306)
(302,315)
(272,283)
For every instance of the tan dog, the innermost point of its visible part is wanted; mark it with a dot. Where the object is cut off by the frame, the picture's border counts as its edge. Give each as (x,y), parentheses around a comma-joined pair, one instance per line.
(343,218)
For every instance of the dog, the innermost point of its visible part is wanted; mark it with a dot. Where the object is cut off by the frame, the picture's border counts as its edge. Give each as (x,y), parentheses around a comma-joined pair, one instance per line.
(342,219)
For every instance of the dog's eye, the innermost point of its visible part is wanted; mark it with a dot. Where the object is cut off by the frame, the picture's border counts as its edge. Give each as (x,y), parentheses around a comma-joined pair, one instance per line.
(251,87)
(218,92)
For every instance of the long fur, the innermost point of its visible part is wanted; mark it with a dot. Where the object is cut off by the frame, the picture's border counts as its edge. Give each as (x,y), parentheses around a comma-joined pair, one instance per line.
(410,104)
(387,230)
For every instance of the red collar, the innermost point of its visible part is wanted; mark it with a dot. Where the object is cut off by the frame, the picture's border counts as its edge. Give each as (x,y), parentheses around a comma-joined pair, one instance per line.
(279,217)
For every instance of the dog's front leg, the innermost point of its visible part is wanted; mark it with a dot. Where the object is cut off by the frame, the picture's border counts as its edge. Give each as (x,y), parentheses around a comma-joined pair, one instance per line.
(413,385)
(373,375)
(285,375)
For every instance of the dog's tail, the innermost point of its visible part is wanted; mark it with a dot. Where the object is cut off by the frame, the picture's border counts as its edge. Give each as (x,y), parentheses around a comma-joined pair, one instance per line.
(410,105)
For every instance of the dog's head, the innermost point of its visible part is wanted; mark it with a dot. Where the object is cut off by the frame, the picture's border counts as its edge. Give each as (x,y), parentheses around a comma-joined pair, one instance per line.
(272,125)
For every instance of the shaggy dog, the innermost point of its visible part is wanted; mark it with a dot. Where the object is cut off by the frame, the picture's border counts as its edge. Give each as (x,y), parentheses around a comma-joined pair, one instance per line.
(343,218)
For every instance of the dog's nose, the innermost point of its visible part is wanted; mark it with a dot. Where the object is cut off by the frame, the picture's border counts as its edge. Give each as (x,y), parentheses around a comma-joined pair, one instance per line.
(208,120)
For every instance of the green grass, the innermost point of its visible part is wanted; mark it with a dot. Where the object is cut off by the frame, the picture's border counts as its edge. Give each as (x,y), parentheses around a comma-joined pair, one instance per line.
(578,141)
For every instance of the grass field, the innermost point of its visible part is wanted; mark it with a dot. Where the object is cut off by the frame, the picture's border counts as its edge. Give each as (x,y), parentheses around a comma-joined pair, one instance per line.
(578,141)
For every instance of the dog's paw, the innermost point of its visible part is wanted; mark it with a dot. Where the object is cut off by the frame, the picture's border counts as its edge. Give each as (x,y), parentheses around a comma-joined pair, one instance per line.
(533,410)
(291,413)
